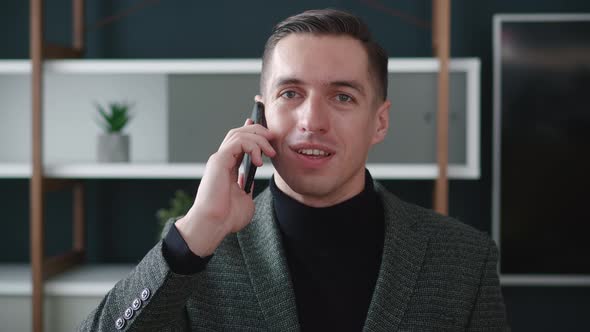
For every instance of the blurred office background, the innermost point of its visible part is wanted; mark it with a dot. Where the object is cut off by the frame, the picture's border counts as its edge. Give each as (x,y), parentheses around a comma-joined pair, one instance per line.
(120,213)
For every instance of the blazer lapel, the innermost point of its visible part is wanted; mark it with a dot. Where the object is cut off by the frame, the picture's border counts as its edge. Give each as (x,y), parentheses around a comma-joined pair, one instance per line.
(403,253)
(263,253)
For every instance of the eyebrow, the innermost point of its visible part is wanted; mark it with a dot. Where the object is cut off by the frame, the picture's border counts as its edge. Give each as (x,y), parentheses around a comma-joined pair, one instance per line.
(353,84)
(350,84)
(287,81)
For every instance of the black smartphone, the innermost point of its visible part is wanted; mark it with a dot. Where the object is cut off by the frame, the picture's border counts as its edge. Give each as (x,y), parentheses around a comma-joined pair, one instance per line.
(247,166)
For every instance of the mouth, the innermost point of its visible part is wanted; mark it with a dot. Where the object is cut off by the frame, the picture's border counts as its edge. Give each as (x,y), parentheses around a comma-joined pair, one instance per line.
(314,153)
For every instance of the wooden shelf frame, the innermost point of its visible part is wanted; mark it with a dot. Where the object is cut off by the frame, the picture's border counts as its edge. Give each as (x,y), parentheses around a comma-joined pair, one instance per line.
(43,267)
(441,38)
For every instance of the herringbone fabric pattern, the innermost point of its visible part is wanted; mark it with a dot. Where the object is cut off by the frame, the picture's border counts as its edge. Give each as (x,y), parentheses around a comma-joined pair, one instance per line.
(437,274)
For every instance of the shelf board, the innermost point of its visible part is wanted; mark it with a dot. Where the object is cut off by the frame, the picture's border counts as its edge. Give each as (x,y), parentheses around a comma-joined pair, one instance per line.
(98,279)
(163,170)
(85,280)
(539,280)
(134,66)
(199,66)
(15,170)
(126,171)
(196,171)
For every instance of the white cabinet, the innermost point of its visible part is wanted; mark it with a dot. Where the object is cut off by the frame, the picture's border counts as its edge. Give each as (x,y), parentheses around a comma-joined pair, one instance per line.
(183,109)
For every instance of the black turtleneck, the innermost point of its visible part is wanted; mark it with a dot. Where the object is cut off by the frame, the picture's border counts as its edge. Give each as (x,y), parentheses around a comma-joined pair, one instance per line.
(334,254)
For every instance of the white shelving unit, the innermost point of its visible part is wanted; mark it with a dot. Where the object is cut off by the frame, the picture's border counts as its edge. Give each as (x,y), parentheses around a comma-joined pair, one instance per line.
(131,66)
(557,280)
(87,280)
(79,290)
(196,171)
(69,297)
(15,170)
(158,167)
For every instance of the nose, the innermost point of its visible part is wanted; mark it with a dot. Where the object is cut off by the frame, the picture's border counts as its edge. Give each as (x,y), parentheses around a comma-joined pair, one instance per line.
(314,116)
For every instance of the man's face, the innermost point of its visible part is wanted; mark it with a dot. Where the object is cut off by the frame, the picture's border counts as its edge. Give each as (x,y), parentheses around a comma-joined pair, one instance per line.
(322,106)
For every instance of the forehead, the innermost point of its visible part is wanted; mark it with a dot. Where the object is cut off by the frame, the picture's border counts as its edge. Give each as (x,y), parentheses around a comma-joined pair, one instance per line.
(319,59)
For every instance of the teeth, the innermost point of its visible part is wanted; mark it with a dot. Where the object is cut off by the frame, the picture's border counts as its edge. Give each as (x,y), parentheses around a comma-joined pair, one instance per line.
(313,152)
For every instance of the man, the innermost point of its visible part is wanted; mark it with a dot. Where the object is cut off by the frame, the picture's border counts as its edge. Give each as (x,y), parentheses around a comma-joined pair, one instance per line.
(324,248)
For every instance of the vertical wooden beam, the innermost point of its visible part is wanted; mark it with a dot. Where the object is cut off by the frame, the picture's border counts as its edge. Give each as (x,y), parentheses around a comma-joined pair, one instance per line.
(78,25)
(36,184)
(441,42)
(79,239)
(435,31)
(39,267)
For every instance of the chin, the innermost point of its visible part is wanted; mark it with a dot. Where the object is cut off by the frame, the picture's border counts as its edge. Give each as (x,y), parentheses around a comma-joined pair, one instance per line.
(317,193)
(310,187)
(316,185)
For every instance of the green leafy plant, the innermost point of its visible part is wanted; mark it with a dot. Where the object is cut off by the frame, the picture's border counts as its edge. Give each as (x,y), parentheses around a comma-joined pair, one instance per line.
(116,117)
(179,206)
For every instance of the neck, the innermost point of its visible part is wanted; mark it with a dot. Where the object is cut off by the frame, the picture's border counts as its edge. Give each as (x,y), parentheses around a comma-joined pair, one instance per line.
(320,199)
(353,223)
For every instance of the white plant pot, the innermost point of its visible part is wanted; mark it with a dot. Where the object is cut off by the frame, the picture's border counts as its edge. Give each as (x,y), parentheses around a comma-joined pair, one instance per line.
(113,148)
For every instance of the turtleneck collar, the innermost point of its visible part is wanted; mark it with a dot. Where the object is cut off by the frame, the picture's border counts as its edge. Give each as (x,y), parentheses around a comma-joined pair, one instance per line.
(356,222)
(333,254)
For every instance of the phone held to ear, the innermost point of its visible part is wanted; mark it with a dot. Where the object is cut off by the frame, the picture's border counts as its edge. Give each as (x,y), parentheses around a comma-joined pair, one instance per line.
(247,166)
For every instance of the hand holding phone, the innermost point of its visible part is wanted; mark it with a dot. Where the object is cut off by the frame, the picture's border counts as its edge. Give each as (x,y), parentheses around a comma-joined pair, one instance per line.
(221,206)
(247,165)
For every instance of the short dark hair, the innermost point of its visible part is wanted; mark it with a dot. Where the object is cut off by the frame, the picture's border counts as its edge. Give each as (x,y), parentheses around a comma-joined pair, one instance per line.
(331,22)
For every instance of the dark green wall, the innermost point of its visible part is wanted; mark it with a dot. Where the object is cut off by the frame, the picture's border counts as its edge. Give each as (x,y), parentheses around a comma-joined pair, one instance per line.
(122,225)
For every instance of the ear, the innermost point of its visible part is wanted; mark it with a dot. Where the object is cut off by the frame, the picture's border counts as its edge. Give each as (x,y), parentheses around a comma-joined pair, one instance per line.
(381,122)
(258,98)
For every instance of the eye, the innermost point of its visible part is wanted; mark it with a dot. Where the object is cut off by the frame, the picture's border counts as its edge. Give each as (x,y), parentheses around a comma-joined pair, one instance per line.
(289,94)
(344,98)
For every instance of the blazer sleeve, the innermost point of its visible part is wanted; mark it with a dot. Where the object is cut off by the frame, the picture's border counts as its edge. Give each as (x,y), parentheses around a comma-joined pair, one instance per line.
(489,311)
(151,298)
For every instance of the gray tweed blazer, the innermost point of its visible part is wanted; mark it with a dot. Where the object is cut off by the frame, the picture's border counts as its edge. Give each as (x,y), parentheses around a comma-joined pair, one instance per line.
(437,274)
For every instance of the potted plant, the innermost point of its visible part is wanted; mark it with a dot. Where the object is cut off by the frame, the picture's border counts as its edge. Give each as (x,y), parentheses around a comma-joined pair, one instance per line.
(113,145)
(179,206)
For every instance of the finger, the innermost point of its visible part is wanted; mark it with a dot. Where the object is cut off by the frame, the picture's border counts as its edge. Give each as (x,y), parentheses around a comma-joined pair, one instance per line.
(231,155)
(235,171)
(231,152)
(244,142)
(256,156)
(259,129)
(239,160)
(241,180)
(252,190)
(256,129)
(263,144)
(254,151)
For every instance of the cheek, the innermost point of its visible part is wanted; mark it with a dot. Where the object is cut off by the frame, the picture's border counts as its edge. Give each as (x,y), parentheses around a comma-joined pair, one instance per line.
(358,133)
(280,126)
(358,125)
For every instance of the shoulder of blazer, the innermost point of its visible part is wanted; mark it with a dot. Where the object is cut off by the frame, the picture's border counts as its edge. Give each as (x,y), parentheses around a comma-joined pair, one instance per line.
(438,228)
